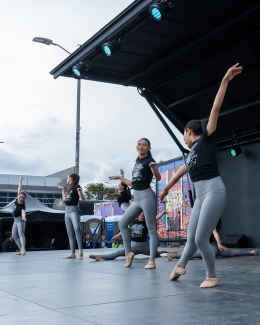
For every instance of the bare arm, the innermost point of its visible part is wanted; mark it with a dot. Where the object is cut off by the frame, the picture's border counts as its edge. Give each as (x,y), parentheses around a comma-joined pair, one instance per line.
(154,169)
(220,246)
(213,119)
(20,184)
(122,179)
(62,192)
(82,197)
(23,215)
(182,171)
(114,194)
(186,205)
(115,237)
(159,215)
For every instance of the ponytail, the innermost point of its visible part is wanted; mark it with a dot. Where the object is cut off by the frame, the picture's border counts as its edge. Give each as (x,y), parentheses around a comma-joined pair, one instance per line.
(127,190)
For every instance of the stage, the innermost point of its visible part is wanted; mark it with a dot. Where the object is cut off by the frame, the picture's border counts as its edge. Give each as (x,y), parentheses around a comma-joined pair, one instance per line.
(41,288)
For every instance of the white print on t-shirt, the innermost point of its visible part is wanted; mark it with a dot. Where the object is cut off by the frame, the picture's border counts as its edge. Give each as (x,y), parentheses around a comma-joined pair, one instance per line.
(191,159)
(136,175)
(137,230)
(68,197)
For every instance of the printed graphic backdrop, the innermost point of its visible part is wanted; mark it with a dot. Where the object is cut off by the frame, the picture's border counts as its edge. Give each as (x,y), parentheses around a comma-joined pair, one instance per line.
(177,223)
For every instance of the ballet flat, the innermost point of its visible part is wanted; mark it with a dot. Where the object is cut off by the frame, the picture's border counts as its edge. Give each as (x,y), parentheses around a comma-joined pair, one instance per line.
(95,257)
(70,256)
(150,265)
(177,272)
(209,283)
(129,259)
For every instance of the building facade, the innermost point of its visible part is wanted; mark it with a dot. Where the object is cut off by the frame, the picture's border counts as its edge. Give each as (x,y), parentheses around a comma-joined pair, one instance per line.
(43,188)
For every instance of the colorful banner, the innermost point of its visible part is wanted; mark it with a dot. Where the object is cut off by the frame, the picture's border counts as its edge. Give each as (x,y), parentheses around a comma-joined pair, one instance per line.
(174,225)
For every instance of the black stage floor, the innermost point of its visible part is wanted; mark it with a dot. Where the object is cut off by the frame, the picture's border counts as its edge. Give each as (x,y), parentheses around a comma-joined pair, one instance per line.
(42,288)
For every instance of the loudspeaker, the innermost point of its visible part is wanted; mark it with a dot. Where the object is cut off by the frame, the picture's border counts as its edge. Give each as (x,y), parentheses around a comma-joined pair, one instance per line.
(235,241)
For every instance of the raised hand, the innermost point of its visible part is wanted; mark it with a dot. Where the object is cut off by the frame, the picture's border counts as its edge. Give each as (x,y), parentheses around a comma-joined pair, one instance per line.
(21,178)
(153,164)
(79,189)
(233,71)
(122,173)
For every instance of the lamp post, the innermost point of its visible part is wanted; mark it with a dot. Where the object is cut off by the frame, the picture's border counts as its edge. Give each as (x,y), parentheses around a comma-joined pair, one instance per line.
(47,41)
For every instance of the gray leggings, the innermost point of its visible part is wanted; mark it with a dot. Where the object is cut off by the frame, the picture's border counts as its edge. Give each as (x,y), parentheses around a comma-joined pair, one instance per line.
(211,198)
(72,225)
(136,248)
(19,229)
(124,206)
(217,252)
(144,201)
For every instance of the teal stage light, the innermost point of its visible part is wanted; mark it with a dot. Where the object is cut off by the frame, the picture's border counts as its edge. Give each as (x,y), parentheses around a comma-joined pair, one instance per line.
(110,48)
(235,149)
(159,10)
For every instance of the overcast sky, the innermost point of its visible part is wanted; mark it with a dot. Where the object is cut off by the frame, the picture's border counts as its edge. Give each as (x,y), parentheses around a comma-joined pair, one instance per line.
(38,113)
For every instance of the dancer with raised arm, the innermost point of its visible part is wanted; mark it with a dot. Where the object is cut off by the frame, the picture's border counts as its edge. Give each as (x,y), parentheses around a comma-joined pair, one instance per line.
(139,245)
(144,201)
(211,194)
(19,219)
(71,198)
(123,196)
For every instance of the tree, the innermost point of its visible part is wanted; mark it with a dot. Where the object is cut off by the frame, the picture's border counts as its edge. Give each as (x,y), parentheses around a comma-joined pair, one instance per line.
(97,191)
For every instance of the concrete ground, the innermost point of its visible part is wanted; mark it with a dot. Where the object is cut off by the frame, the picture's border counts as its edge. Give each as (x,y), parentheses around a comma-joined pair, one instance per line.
(41,288)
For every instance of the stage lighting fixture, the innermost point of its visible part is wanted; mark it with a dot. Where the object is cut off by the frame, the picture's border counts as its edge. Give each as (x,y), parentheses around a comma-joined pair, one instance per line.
(160,10)
(79,69)
(110,48)
(235,149)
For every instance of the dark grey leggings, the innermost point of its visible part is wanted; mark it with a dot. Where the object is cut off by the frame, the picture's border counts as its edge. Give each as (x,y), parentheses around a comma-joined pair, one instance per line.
(19,229)
(136,248)
(211,198)
(72,225)
(144,201)
(218,252)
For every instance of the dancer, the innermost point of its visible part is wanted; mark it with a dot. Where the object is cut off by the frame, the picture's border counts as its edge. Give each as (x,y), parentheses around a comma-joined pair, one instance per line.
(211,194)
(139,244)
(218,249)
(19,219)
(123,196)
(71,198)
(144,201)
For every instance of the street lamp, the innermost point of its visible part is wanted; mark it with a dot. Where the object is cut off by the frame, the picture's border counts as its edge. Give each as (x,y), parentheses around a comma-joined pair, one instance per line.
(47,41)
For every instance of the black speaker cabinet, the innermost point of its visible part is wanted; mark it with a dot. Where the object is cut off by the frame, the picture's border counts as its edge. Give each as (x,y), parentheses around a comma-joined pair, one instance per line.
(235,241)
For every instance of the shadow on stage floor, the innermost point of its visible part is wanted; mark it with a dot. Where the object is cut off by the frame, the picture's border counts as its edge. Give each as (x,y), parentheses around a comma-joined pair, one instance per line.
(41,288)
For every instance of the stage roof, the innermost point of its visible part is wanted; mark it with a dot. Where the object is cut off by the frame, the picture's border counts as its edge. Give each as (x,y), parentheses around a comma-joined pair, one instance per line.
(181,60)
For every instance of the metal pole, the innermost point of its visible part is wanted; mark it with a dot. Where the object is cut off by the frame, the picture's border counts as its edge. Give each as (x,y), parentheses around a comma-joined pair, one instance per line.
(77,128)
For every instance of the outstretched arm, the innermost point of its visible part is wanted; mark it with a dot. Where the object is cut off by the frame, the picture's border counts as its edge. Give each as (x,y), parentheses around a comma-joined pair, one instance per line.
(23,215)
(182,171)
(159,215)
(122,179)
(213,119)
(114,194)
(20,184)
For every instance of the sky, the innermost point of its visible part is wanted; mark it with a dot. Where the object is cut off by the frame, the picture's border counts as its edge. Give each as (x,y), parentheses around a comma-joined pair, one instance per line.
(38,113)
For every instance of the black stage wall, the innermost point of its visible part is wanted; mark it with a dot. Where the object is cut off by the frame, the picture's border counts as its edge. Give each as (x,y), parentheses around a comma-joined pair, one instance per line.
(241,176)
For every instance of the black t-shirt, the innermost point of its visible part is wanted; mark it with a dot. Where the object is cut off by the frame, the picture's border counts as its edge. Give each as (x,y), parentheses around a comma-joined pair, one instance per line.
(142,174)
(8,246)
(202,160)
(17,209)
(123,198)
(138,231)
(72,197)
